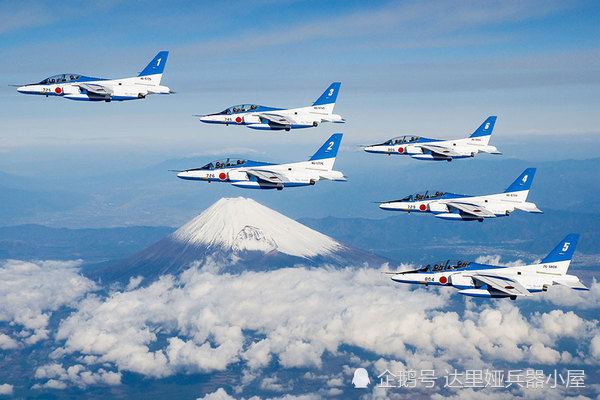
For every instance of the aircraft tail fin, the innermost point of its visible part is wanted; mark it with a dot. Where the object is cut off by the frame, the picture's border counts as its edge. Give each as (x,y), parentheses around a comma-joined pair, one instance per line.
(328,98)
(561,256)
(328,151)
(484,132)
(522,183)
(155,68)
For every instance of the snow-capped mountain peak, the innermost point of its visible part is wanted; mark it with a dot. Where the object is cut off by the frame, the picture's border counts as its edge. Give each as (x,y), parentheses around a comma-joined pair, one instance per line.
(242,224)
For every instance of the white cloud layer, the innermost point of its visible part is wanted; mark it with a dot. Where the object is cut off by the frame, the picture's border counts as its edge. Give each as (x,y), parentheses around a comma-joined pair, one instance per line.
(6,389)
(58,377)
(31,291)
(299,314)
(202,322)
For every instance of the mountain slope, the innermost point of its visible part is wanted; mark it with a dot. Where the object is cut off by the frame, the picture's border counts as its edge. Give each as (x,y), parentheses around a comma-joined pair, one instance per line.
(237,234)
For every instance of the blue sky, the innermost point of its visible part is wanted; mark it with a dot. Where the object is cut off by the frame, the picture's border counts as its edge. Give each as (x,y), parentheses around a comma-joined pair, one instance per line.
(433,68)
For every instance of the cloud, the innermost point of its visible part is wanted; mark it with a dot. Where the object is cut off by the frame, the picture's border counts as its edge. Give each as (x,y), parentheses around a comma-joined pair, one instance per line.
(221,394)
(405,24)
(495,260)
(31,291)
(6,389)
(7,343)
(565,297)
(295,316)
(78,375)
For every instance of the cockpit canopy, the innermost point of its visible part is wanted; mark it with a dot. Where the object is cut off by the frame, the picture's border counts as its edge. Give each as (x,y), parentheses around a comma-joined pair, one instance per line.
(444,266)
(427,195)
(240,109)
(60,79)
(227,162)
(401,140)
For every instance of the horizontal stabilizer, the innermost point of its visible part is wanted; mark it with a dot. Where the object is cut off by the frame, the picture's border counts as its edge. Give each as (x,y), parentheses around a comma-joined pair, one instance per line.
(576,285)
(528,207)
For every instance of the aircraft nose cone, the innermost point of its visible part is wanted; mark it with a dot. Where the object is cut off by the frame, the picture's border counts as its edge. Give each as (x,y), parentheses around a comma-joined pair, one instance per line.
(22,89)
(206,118)
(385,206)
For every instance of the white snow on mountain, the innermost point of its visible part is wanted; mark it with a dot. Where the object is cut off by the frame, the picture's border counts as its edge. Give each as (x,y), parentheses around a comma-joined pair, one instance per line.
(243,224)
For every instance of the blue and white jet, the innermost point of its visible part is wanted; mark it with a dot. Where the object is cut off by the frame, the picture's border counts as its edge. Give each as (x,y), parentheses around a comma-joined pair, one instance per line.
(437,149)
(462,207)
(492,281)
(270,118)
(80,87)
(261,175)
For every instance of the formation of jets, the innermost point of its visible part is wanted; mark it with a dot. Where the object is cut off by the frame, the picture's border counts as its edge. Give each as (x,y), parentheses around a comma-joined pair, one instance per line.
(462,207)
(81,87)
(260,175)
(270,118)
(492,281)
(471,279)
(422,148)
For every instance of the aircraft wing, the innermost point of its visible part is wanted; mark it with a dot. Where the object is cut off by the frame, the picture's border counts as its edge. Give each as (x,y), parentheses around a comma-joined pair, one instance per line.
(96,89)
(440,150)
(472,209)
(277,118)
(502,284)
(267,176)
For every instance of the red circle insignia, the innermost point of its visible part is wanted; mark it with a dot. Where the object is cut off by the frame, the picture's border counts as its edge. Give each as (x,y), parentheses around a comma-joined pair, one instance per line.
(443,280)
(58,90)
(422,207)
(400,150)
(238,119)
(222,176)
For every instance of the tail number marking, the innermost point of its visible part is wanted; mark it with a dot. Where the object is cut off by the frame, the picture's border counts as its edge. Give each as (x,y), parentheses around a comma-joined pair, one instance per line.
(330,92)
(566,246)
(330,145)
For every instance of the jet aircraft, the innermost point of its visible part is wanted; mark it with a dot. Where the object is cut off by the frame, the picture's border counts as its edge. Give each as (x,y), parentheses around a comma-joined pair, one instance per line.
(480,280)
(261,175)
(437,149)
(469,208)
(270,118)
(80,87)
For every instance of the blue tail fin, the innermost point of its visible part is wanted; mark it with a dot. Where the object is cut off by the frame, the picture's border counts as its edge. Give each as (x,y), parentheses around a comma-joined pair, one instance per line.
(486,128)
(330,95)
(564,250)
(329,148)
(157,65)
(523,182)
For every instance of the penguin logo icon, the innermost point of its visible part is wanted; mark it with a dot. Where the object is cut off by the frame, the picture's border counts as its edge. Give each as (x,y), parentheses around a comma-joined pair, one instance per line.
(361,379)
